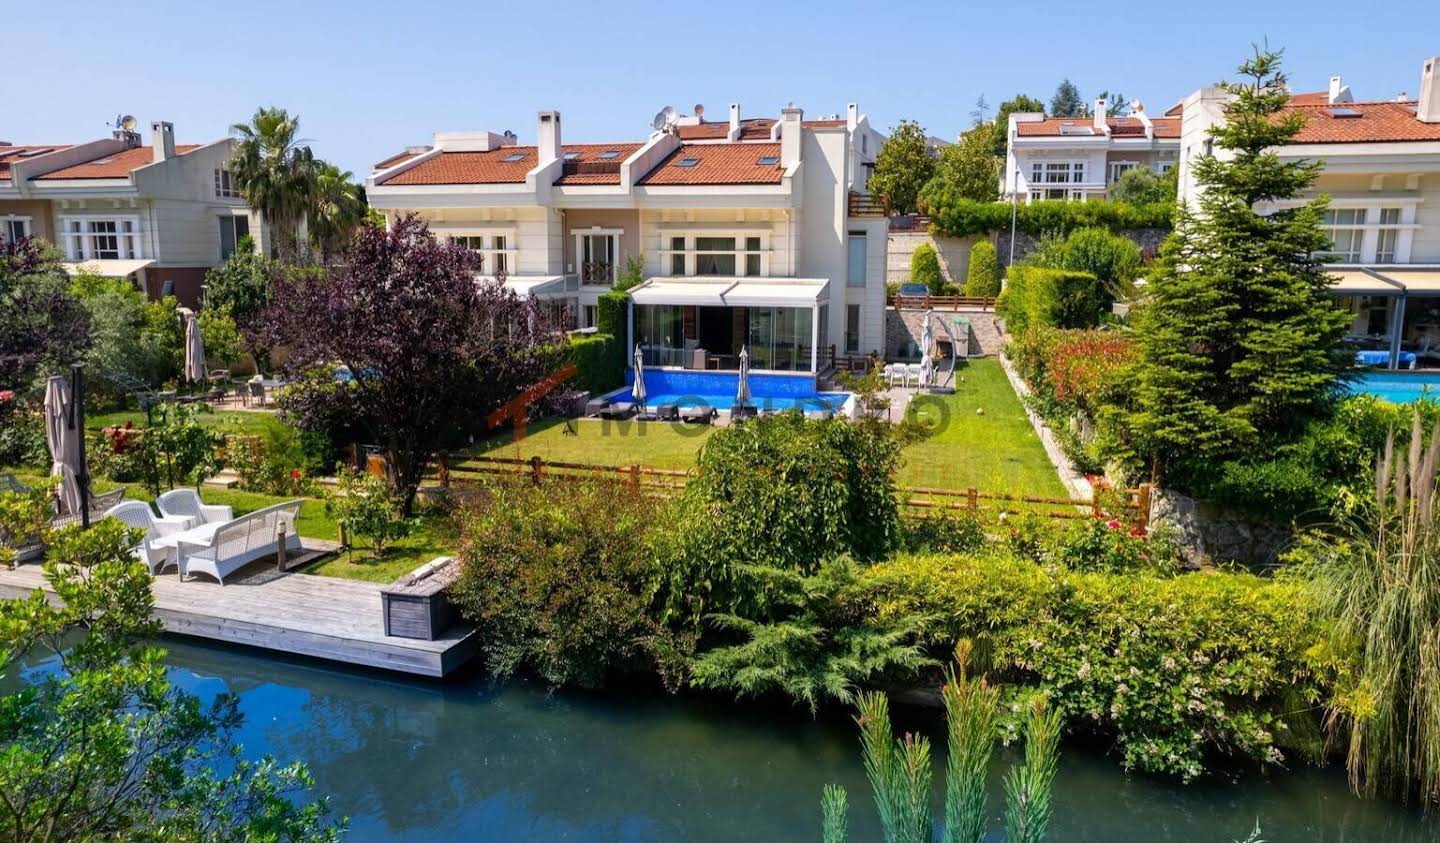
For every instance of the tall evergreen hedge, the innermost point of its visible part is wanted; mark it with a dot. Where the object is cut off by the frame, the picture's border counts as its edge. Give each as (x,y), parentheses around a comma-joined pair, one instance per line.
(1036,297)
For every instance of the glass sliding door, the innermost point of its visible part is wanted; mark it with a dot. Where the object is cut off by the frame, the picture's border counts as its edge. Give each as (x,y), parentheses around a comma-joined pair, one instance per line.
(780,338)
(659,328)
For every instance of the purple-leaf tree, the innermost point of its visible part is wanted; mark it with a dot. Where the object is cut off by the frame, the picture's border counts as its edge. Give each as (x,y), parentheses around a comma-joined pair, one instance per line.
(42,326)
(430,348)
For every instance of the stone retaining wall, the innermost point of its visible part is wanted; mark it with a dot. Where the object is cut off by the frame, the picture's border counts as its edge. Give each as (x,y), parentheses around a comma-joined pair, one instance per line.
(903,328)
(1210,534)
(1148,239)
(954,254)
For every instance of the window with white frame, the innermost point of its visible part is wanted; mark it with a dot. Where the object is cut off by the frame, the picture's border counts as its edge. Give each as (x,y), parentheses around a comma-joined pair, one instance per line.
(1369,234)
(1346,227)
(13,228)
(598,253)
(495,250)
(102,238)
(1057,172)
(225,187)
(1387,236)
(856,248)
(1120,168)
(719,254)
(232,228)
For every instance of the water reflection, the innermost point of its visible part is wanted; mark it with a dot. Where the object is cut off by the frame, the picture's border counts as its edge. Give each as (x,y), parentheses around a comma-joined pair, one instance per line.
(415,761)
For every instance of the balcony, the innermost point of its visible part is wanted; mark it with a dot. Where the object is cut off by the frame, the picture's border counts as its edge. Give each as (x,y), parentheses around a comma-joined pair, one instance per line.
(867,205)
(597,274)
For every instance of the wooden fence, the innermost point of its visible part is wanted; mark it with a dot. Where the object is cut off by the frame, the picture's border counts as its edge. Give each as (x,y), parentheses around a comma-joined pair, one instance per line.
(462,468)
(943,302)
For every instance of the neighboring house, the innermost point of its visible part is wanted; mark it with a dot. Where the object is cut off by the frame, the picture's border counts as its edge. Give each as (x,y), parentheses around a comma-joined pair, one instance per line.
(1078,158)
(1382,173)
(753,232)
(160,215)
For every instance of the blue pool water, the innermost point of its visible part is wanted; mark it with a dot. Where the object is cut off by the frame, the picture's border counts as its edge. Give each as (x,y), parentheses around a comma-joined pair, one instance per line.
(717,390)
(1399,387)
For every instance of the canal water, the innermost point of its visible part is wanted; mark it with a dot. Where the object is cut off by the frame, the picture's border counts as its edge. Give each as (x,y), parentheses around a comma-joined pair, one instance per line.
(470,759)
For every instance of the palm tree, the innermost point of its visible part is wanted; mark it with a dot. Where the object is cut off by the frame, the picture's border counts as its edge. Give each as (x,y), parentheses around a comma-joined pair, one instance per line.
(338,208)
(275,172)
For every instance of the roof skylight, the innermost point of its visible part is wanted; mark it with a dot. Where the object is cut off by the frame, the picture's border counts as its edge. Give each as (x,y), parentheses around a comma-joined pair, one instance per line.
(687,162)
(513,157)
(609,153)
(571,156)
(768,160)
(1344,112)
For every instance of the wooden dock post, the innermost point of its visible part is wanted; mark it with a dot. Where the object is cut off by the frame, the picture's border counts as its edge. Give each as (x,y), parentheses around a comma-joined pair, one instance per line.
(537,471)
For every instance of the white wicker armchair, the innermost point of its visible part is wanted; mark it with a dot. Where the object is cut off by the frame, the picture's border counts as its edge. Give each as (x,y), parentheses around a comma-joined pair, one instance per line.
(185,504)
(138,515)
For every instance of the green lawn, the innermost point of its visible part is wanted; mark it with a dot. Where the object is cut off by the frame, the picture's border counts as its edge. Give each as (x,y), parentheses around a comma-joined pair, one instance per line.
(654,444)
(433,536)
(997,451)
(227,421)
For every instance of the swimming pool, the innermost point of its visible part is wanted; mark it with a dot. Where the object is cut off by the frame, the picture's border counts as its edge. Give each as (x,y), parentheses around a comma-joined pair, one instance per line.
(1399,387)
(717,390)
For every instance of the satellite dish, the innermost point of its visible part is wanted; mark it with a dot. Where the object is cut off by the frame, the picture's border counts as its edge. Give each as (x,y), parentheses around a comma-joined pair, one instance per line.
(128,122)
(699,110)
(663,118)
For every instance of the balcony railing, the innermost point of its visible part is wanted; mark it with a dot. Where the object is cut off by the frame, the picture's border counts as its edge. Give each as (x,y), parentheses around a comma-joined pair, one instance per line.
(597,273)
(867,205)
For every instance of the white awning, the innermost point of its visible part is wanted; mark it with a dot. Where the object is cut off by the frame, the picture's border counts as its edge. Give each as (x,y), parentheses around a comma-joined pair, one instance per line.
(107,268)
(778,292)
(1355,282)
(710,291)
(1417,282)
(535,286)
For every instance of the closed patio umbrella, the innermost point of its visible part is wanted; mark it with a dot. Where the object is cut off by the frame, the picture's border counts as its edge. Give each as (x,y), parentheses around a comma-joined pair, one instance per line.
(927,362)
(64,442)
(637,389)
(194,349)
(742,390)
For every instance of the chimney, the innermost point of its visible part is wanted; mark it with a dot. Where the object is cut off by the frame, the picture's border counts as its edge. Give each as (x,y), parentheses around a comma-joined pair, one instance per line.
(162,138)
(1338,91)
(734,121)
(852,116)
(547,138)
(1428,108)
(1102,110)
(790,120)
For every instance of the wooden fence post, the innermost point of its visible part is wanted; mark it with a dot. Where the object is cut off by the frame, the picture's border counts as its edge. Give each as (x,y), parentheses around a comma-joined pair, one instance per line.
(280,545)
(972,501)
(1142,507)
(536,470)
(444,470)
(635,477)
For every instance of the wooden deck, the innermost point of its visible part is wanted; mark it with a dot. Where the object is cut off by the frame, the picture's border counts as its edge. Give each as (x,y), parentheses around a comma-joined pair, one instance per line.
(322,617)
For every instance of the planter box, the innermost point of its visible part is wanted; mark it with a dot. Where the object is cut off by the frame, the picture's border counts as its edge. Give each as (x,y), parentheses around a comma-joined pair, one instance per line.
(416,606)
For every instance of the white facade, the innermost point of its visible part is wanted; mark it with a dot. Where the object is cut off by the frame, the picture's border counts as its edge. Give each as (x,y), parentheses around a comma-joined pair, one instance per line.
(1078,158)
(763,206)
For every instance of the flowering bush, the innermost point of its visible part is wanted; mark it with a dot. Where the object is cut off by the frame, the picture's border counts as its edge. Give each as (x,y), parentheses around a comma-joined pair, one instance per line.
(270,467)
(1083,366)
(1106,543)
(364,506)
(118,453)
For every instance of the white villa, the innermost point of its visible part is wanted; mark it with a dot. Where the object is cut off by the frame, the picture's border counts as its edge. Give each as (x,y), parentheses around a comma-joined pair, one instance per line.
(754,232)
(160,215)
(1382,173)
(1078,158)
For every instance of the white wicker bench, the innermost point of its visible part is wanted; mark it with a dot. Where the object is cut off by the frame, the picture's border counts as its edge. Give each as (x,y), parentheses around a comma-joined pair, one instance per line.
(241,541)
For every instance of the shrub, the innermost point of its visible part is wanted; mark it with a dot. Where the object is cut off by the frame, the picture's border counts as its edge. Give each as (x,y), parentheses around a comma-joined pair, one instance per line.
(612,316)
(364,505)
(1175,668)
(982,278)
(1106,543)
(1111,258)
(944,532)
(22,436)
(1082,368)
(952,216)
(24,520)
(118,453)
(272,465)
(1141,186)
(784,492)
(599,362)
(1058,298)
(925,269)
(561,579)
(178,448)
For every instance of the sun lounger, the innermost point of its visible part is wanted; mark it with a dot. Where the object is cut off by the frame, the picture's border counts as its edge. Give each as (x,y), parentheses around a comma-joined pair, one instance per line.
(668,412)
(698,415)
(618,410)
(596,406)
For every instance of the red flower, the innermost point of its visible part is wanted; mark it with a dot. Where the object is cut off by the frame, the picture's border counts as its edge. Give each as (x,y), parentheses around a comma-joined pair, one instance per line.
(7,395)
(295,473)
(1113,524)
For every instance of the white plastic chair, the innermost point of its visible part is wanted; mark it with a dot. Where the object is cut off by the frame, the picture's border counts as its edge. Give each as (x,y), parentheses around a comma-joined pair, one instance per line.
(138,515)
(185,503)
(912,374)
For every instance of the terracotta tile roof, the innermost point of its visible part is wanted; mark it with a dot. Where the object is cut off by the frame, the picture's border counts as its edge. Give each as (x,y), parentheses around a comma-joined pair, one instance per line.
(1122,127)
(1310,98)
(1379,122)
(20,152)
(751,129)
(396,159)
(718,163)
(587,167)
(1176,110)
(117,165)
(492,168)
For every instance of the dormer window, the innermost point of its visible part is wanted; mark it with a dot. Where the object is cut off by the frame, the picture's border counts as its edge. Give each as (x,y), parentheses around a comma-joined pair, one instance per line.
(687,162)
(768,160)
(513,157)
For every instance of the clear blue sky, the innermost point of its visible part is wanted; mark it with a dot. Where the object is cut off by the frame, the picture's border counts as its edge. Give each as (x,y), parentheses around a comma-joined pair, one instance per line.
(368,79)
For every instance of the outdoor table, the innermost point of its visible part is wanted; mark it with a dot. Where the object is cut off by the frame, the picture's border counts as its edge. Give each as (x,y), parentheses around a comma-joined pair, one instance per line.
(195,535)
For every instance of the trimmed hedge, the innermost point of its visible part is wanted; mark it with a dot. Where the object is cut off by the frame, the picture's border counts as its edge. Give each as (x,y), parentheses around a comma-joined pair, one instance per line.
(600,362)
(983,278)
(1036,297)
(612,316)
(951,216)
(925,269)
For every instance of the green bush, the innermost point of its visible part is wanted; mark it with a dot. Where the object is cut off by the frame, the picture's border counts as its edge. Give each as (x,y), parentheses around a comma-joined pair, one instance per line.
(364,505)
(952,216)
(944,532)
(1176,669)
(982,280)
(1113,259)
(925,269)
(612,316)
(1141,186)
(599,362)
(561,579)
(781,492)
(22,437)
(1057,298)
